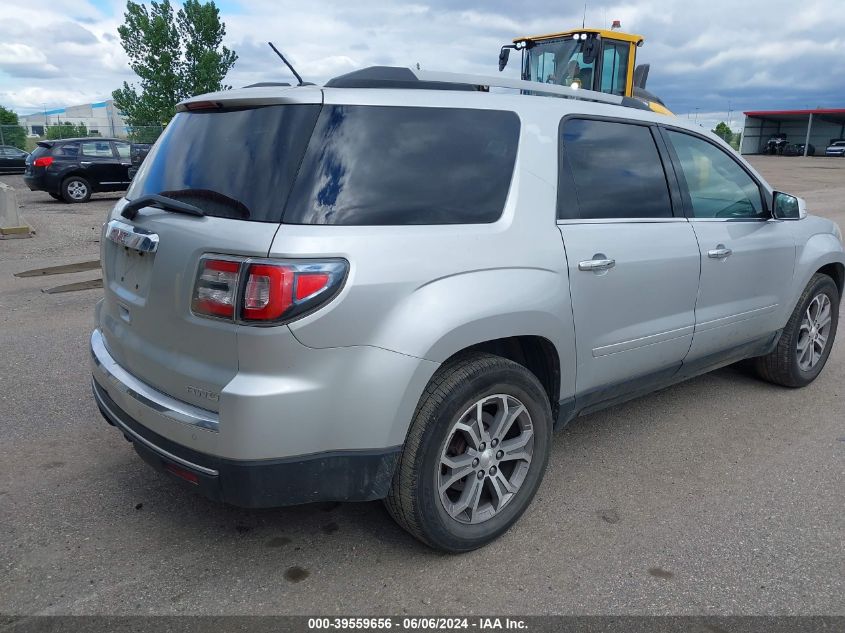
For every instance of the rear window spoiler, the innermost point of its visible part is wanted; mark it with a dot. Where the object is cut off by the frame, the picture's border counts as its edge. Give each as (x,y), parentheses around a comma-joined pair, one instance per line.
(253,97)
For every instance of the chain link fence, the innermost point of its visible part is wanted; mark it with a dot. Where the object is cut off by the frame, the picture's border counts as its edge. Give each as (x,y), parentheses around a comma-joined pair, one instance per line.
(26,138)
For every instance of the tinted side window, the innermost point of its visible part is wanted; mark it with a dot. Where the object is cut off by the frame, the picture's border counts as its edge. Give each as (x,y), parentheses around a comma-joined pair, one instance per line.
(68,150)
(101,149)
(718,187)
(122,149)
(616,169)
(375,165)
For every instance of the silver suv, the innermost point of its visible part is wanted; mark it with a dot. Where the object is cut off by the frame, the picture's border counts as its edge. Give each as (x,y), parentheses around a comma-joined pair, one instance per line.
(395,287)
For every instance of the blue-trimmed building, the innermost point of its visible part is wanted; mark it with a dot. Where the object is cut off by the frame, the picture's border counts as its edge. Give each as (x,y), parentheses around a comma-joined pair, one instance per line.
(99,117)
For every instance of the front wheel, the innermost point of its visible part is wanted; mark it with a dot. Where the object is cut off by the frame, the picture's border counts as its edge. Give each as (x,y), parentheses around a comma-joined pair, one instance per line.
(475,454)
(807,339)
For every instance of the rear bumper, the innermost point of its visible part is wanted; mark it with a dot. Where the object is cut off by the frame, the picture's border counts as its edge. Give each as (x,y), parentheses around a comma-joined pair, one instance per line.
(266,450)
(332,476)
(42,180)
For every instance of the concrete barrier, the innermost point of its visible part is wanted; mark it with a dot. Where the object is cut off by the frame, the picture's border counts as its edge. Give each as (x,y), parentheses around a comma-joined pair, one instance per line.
(10,220)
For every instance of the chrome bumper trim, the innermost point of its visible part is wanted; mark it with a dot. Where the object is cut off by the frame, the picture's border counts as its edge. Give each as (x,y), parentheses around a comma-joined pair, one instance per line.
(163,404)
(137,438)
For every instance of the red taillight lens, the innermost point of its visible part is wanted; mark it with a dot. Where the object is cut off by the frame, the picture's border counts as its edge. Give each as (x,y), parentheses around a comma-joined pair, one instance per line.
(308,284)
(215,291)
(43,161)
(265,291)
(268,292)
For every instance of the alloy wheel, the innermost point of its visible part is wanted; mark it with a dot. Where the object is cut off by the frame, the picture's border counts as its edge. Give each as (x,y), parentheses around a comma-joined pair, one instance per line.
(813,332)
(77,190)
(486,458)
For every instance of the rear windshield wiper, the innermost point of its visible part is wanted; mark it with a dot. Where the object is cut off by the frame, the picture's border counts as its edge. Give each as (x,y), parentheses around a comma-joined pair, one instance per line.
(159,202)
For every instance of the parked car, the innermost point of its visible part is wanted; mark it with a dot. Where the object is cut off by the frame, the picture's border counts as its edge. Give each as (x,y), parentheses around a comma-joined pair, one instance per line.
(776,144)
(797,149)
(73,169)
(836,148)
(12,159)
(403,294)
(137,153)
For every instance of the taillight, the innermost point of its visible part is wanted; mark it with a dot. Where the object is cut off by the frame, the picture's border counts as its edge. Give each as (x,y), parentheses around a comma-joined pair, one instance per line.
(267,292)
(308,284)
(43,161)
(216,287)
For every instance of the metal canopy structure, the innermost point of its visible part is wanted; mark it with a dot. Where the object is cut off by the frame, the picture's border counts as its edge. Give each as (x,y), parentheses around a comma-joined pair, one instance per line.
(810,127)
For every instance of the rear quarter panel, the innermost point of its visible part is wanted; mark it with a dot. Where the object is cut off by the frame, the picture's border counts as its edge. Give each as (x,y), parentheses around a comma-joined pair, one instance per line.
(431,291)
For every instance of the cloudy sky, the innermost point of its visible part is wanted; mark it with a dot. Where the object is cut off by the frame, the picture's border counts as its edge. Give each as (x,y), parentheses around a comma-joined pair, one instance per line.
(707,56)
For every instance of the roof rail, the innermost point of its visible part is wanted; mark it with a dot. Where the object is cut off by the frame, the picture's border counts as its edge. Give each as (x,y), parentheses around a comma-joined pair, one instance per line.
(412,78)
(528,86)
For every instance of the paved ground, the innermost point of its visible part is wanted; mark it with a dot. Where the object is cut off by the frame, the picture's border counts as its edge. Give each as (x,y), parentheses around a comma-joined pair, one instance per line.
(721,495)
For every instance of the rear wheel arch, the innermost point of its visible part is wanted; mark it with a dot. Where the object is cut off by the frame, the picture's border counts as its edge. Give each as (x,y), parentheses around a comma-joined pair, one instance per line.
(536,353)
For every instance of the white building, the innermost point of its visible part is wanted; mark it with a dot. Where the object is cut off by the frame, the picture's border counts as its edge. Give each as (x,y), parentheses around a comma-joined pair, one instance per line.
(102,118)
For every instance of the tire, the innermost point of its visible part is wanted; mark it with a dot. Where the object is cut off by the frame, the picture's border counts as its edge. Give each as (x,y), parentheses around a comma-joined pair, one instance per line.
(76,189)
(56,196)
(452,396)
(786,365)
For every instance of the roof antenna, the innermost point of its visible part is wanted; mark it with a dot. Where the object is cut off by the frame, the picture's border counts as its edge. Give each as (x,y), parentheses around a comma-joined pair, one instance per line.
(287,63)
(584,21)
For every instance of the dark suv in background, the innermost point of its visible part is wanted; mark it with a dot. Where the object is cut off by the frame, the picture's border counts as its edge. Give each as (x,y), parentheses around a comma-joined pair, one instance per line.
(72,169)
(137,153)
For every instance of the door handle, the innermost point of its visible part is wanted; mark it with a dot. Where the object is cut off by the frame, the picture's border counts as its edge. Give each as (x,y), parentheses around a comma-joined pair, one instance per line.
(596,265)
(85,163)
(720,252)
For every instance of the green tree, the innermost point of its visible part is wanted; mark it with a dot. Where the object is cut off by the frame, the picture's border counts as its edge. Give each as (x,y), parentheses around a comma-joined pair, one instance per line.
(144,134)
(724,132)
(66,129)
(174,55)
(11,132)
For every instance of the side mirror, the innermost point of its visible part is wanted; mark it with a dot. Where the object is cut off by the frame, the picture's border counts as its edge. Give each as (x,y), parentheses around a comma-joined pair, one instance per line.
(788,207)
(504,55)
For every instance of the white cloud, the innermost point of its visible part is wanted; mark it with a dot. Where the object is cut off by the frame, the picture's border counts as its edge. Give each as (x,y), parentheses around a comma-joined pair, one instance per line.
(756,54)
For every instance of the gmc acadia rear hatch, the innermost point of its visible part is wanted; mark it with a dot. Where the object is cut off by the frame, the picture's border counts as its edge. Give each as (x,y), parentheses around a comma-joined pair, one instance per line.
(234,158)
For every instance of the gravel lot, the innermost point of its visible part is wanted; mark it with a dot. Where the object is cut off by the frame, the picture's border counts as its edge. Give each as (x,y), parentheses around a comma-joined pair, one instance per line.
(722,495)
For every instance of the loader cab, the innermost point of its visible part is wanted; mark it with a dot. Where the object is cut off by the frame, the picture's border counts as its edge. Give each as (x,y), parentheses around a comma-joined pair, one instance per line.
(589,59)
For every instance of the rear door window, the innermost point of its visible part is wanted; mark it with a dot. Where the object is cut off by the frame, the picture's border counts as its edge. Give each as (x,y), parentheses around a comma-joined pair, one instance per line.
(97,149)
(611,170)
(233,164)
(122,149)
(379,165)
(67,150)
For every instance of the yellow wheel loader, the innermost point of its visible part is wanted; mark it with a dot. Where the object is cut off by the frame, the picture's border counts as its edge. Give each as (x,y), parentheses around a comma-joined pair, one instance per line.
(591,59)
